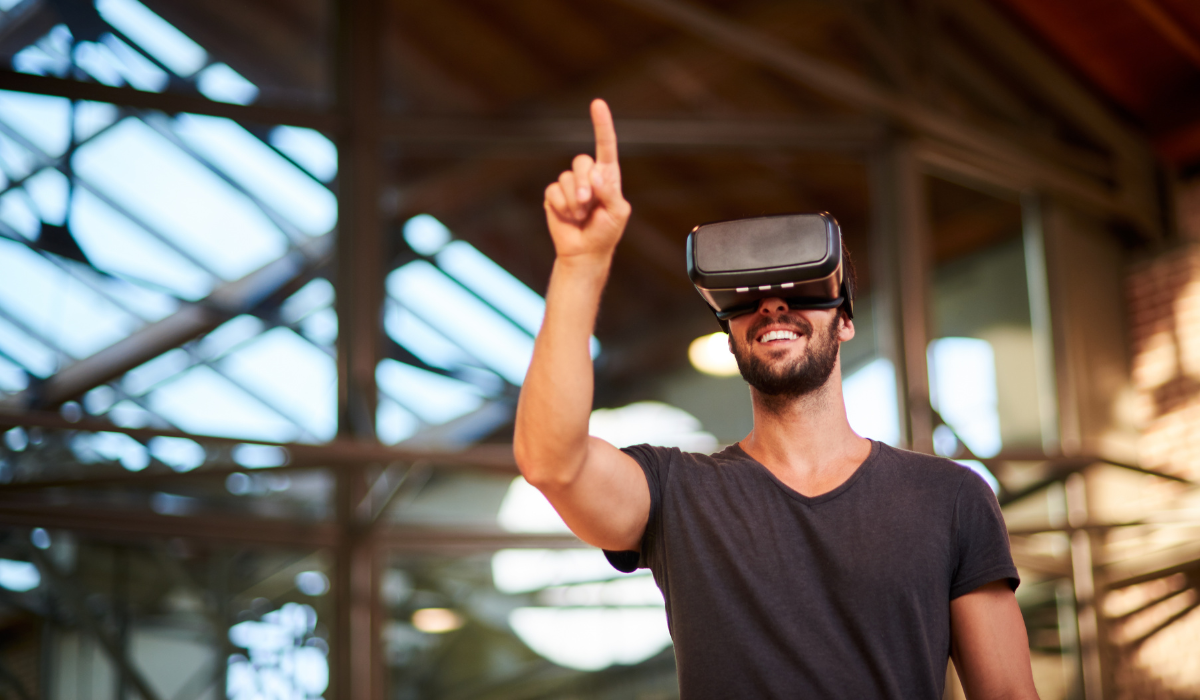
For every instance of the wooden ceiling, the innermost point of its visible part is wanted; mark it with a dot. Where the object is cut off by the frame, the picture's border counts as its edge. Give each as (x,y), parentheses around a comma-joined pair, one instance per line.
(704,122)
(1142,55)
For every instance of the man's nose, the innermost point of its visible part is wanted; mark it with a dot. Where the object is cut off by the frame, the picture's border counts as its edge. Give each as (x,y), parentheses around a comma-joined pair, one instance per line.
(772,305)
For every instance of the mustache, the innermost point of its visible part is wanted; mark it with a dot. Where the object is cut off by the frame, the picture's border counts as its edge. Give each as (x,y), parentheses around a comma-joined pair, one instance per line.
(797,323)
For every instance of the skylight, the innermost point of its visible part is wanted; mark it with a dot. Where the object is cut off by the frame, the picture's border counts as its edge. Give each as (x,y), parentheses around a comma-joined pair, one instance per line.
(311,149)
(139,71)
(56,306)
(290,192)
(425,234)
(221,83)
(117,245)
(31,355)
(45,121)
(295,377)
(186,202)
(434,398)
(421,339)
(12,377)
(91,117)
(203,402)
(165,209)
(49,189)
(463,318)
(159,38)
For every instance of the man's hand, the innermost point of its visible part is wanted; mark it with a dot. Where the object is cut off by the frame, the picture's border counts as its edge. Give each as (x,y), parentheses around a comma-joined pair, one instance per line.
(585,209)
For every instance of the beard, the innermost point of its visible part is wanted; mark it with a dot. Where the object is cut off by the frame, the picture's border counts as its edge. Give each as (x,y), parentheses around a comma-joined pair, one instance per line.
(798,377)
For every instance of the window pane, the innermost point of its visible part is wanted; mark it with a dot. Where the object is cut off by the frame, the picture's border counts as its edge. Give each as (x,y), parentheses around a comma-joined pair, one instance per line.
(981,311)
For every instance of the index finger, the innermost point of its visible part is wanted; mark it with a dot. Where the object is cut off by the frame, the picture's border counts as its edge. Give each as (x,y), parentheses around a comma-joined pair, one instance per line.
(606,134)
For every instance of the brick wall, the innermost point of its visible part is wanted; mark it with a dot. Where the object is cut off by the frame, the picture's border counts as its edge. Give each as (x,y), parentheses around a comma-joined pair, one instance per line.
(1164,324)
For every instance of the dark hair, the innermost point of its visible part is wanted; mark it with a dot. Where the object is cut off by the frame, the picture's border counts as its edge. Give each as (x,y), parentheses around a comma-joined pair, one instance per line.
(848,275)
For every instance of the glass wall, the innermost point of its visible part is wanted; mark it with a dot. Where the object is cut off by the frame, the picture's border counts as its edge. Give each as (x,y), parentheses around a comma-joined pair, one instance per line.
(982,362)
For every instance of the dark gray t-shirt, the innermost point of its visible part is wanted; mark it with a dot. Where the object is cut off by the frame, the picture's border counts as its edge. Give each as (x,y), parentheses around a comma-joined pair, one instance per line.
(772,594)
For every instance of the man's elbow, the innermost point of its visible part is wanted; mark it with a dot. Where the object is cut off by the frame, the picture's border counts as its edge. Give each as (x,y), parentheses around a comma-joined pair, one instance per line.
(542,470)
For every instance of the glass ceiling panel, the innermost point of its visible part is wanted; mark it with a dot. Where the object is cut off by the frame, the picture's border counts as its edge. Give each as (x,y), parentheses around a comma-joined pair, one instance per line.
(393,423)
(49,190)
(434,398)
(221,83)
(15,160)
(179,197)
(293,375)
(168,45)
(203,402)
(12,377)
(493,283)
(91,117)
(135,69)
(463,318)
(17,212)
(312,297)
(420,339)
(230,335)
(147,304)
(161,209)
(33,356)
(145,377)
(42,120)
(309,148)
(56,305)
(287,189)
(116,245)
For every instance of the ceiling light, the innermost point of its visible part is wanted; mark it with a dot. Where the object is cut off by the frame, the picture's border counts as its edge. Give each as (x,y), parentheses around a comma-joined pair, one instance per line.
(710,355)
(437,620)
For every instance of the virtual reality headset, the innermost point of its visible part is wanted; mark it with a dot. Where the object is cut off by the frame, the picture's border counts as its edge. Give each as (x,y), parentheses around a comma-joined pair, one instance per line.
(796,257)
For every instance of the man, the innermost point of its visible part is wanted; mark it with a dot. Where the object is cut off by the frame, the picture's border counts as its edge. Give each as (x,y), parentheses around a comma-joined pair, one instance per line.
(805,561)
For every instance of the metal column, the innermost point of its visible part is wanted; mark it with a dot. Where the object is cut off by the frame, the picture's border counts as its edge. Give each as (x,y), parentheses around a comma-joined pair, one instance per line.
(900,268)
(1086,595)
(358,281)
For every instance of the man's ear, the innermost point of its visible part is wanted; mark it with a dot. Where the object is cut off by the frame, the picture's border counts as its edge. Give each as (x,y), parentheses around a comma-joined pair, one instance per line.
(845,328)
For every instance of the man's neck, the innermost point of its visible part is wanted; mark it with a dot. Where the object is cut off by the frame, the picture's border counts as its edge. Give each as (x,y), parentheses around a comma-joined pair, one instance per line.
(806,441)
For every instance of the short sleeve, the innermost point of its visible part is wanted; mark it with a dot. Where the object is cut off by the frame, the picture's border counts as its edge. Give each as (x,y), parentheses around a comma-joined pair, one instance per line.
(981,539)
(655,463)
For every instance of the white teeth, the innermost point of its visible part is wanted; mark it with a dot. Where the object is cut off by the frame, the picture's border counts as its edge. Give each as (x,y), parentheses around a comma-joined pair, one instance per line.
(778,335)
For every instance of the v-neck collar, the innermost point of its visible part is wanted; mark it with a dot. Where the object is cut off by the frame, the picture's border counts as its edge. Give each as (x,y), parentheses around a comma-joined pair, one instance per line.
(737,451)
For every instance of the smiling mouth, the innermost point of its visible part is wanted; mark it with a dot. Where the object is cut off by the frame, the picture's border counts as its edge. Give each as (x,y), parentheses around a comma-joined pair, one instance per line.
(778,335)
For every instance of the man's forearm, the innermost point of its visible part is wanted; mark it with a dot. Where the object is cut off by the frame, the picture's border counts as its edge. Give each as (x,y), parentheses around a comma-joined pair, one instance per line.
(550,440)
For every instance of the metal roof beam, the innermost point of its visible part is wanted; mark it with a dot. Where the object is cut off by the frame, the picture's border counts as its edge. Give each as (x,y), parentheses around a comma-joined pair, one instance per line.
(498,457)
(189,321)
(822,134)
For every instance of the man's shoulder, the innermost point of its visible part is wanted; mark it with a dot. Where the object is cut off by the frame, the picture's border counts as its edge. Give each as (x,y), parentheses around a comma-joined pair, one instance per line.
(644,453)
(917,467)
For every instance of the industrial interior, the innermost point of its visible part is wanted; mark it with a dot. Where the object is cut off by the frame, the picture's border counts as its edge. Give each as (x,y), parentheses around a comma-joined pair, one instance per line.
(270,275)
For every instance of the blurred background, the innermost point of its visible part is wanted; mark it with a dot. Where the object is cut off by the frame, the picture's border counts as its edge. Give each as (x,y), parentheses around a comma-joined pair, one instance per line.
(270,274)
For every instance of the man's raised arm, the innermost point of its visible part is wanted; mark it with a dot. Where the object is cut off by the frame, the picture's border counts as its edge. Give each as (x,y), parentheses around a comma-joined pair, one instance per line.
(598,490)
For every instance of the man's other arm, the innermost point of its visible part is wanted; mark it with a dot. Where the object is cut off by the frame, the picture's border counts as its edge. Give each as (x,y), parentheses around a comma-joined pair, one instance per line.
(598,490)
(989,644)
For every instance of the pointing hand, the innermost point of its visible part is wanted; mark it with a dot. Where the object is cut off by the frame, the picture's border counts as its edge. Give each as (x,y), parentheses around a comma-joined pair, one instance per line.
(585,209)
